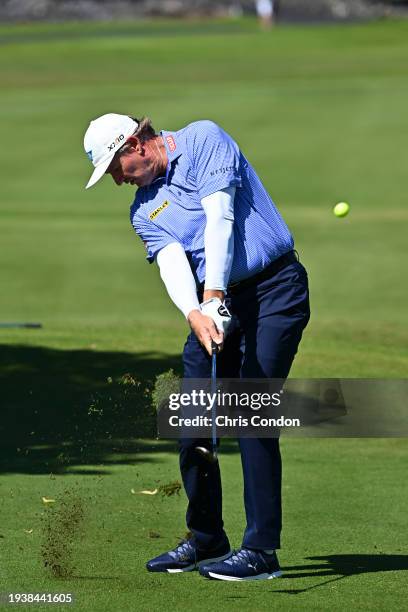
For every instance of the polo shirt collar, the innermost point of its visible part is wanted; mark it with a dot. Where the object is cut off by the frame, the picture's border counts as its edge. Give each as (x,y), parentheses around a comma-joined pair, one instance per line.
(173,149)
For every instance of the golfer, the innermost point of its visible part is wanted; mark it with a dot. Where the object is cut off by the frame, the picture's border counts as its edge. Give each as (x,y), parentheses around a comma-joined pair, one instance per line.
(227,260)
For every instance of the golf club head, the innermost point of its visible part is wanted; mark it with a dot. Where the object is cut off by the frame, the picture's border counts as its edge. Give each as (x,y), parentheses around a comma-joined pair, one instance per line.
(210,456)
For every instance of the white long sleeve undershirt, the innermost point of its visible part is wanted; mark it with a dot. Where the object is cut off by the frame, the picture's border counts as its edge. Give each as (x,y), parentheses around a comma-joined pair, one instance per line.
(219,238)
(178,278)
(174,267)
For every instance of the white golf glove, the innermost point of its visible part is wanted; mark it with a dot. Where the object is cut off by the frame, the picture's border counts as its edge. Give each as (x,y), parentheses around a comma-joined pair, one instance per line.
(218,312)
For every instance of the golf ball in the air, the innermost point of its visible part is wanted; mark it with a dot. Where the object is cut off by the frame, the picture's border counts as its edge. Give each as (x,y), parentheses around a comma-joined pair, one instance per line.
(341,209)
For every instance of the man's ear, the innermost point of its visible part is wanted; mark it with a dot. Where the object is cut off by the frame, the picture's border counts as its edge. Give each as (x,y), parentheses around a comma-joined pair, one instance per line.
(134,142)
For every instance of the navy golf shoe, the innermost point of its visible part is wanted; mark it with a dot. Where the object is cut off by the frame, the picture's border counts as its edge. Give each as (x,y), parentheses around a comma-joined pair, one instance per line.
(244,564)
(186,558)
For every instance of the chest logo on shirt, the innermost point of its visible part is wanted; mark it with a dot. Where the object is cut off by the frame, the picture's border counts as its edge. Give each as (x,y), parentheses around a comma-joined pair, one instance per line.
(158,210)
(171,143)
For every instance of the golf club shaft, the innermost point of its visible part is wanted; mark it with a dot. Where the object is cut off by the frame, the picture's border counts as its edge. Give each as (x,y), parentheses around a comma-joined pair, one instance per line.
(17,325)
(214,350)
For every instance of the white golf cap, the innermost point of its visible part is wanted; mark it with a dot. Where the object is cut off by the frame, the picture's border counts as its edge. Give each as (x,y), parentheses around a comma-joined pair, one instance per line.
(103,138)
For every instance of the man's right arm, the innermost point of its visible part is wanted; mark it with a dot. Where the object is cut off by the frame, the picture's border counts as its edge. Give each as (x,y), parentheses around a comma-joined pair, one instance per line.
(176,274)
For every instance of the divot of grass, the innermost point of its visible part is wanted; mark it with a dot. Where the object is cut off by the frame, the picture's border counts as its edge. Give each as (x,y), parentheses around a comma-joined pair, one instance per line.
(62,526)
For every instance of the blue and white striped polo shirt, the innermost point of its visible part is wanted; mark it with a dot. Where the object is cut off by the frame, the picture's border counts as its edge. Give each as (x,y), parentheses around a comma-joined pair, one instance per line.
(203,159)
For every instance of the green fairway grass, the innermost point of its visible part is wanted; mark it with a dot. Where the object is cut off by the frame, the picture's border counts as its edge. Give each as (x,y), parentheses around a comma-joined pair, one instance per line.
(343,541)
(321,114)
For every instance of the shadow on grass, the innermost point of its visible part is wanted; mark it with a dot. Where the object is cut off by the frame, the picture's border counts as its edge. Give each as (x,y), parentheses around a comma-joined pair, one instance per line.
(342,566)
(61,409)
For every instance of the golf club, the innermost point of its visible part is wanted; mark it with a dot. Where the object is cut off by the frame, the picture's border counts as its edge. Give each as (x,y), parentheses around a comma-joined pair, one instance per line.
(211,455)
(21,325)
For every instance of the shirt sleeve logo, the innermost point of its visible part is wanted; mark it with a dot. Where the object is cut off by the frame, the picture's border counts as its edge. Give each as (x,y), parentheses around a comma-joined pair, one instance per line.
(158,210)
(171,143)
(222,170)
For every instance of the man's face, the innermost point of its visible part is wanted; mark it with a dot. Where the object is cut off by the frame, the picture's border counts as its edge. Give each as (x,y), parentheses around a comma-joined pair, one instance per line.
(136,166)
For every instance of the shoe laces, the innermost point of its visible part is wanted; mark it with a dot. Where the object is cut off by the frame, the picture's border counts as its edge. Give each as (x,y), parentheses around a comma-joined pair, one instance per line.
(182,550)
(239,556)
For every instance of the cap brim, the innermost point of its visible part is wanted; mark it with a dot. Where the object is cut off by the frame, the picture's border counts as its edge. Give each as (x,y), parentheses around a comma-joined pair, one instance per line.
(99,172)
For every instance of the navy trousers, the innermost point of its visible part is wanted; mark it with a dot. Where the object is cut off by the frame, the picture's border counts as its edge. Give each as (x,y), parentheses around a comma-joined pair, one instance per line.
(268,321)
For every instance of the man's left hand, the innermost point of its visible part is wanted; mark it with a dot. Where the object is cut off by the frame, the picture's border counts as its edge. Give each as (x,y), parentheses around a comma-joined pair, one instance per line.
(218,312)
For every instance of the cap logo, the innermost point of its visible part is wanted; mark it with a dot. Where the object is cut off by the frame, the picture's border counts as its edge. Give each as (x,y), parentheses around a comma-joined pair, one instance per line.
(171,143)
(116,142)
(89,154)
